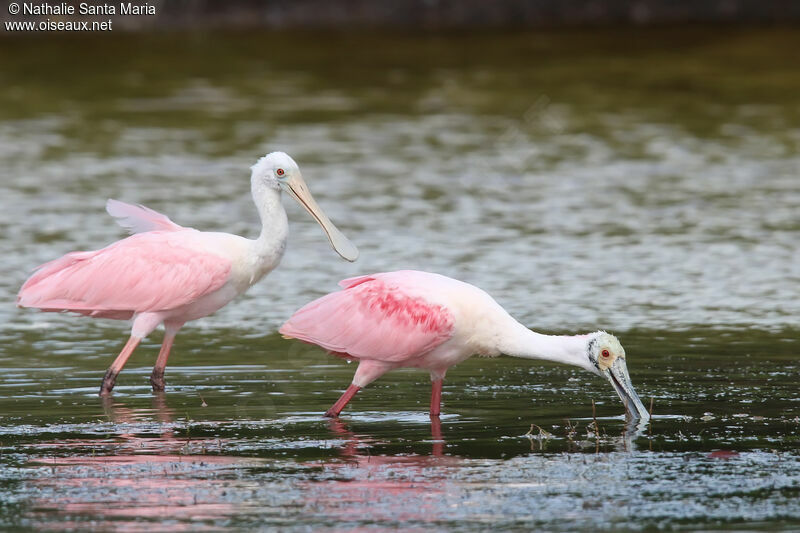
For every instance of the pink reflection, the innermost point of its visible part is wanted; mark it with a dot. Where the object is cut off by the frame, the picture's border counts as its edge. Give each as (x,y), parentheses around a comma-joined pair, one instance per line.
(397,488)
(354,442)
(163,480)
(165,476)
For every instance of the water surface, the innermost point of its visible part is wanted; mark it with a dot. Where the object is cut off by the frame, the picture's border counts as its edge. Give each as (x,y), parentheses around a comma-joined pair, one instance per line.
(640,182)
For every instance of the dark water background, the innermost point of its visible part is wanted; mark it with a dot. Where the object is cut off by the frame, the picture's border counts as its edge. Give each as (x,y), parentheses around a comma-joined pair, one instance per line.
(644,182)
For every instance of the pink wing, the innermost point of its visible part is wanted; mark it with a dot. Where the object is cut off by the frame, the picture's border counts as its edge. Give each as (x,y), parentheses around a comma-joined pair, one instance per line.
(153,271)
(138,218)
(373,318)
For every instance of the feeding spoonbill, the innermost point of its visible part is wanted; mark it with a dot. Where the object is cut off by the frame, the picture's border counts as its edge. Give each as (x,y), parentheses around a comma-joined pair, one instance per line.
(166,273)
(424,320)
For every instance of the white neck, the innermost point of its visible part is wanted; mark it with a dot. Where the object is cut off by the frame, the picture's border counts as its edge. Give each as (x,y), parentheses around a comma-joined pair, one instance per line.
(518,341)
(269,246)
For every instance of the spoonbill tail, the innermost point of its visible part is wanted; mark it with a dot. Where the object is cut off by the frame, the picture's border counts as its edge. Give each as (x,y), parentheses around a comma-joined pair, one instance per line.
(166,273)
(424,320)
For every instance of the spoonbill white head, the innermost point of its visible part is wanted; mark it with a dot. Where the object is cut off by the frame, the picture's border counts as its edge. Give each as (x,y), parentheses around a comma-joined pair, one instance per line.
(279,171)
(607,357)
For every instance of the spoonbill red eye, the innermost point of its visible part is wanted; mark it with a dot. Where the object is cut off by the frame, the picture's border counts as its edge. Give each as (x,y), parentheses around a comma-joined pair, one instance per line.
(424,320)
(280,172)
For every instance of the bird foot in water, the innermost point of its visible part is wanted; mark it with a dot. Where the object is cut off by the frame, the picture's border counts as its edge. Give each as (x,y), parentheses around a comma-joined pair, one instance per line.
(157,381)
(108,382)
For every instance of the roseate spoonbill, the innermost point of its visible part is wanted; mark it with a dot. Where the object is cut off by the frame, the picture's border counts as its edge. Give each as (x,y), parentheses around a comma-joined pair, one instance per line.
(424,320)
(166,273)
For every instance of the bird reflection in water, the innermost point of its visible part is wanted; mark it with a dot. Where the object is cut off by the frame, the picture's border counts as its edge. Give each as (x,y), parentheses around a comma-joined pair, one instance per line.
(135,475)
(353,442)
(398,487)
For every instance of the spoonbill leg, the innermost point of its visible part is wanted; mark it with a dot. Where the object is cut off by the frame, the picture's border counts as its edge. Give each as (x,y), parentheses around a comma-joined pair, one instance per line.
(116,367)
(368,371)
(438,439)
(336,408)
(157,377)
(436,397)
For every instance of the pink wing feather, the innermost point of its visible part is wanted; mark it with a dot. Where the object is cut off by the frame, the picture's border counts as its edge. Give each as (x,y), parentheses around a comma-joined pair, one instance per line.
(153,271)
(138,218)
(372,318)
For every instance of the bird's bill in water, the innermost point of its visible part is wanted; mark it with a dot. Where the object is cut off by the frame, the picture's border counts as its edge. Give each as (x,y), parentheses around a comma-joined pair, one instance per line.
(298,189)
(621,381)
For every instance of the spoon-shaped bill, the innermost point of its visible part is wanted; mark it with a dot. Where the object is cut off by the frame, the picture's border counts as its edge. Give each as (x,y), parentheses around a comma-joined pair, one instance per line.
(298,189)
(621,381)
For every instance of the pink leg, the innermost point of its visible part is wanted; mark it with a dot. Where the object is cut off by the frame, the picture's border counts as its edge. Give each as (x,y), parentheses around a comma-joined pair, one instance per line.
(157,377)
(334,411)
(436,398)
(367,372)
(116,367)
(438,440)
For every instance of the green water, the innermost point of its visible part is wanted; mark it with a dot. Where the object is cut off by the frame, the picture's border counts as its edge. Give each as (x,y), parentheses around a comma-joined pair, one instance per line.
(644,182)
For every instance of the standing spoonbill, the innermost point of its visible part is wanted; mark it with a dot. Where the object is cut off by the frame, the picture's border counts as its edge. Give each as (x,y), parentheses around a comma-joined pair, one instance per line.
(424,320)
(166,273)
